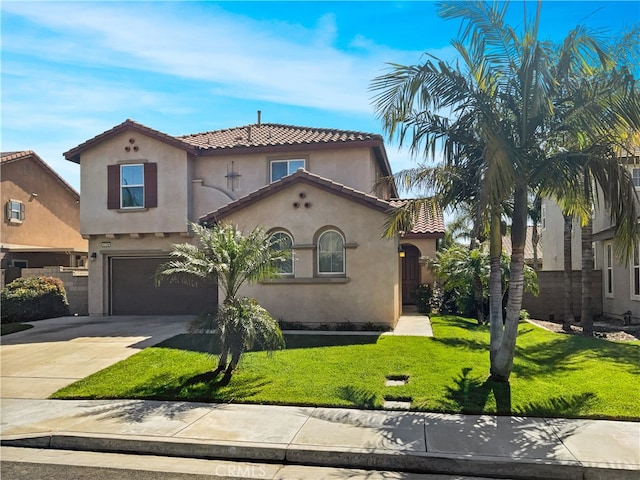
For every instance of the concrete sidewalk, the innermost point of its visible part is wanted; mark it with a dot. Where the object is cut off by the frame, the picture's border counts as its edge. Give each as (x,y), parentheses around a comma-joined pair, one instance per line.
(509,447)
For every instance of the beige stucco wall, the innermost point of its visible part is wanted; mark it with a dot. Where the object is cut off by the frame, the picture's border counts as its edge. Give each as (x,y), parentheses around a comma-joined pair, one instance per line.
(552,239)
(171,214)
(118,246)
(369,293)
(353,167)
(51,218)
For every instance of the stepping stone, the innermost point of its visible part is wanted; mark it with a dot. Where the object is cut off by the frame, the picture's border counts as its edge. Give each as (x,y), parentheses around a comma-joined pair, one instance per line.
(396,380)
(397,403)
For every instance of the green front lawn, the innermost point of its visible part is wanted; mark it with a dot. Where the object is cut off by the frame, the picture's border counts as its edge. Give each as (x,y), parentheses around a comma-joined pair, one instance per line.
(554,374)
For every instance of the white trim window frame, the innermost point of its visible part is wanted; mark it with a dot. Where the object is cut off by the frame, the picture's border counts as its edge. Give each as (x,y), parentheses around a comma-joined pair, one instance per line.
(281,240)
(331,253)
(15,210)
(543,217)
(279,168)
(635,274)
(132,185)
(608,270)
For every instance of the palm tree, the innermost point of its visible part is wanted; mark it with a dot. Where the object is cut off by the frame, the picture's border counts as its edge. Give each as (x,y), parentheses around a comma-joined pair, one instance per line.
(228,258)
(505,95)
(567,318)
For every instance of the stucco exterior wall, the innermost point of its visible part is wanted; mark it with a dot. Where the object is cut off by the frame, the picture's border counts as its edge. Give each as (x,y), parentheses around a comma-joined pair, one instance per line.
(172,212)
(369,291)
(52,218)
(353,167)
(622,298)
(552,239)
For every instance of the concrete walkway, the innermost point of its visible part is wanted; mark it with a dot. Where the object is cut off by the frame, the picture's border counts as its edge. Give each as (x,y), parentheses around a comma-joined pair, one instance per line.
(507,447)
(413,324)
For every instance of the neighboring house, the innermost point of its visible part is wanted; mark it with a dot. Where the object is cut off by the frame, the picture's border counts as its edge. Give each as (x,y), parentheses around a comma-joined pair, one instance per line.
(318,189)
(620,279)
(41,225)
(528,248)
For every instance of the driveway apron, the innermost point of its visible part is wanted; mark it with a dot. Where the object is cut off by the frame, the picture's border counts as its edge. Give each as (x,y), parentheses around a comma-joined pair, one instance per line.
(56,352)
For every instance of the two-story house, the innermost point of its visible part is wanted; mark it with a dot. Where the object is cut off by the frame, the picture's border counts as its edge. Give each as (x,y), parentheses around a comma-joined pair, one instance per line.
(317,189)
(620,285)
(41,224)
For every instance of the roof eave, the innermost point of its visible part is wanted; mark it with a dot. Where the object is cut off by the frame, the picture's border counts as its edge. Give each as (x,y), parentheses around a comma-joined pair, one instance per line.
(298,177)
(74,154)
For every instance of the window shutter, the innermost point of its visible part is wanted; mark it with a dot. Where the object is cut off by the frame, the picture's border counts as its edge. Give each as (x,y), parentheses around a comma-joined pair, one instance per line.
(22,210)
(7,211)
(150,185)
(113,186)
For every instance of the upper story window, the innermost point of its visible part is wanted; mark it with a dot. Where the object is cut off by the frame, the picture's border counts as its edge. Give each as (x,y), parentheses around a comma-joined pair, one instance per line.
(132,186)
(282,241)
(282,168)
(543,217)
(331,253)
(14,211)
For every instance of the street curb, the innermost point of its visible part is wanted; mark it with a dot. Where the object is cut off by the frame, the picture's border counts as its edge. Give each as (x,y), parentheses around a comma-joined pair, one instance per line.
(372,459)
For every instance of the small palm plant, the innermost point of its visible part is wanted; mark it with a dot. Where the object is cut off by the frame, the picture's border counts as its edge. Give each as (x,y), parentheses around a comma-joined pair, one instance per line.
(226,257)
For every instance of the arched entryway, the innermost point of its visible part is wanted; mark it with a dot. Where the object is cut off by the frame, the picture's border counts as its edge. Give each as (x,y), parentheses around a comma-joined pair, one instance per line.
(411,277)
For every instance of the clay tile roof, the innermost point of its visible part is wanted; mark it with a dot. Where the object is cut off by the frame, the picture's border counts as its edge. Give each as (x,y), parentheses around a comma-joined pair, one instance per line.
(272,134)
(8,156)
(299,176)
(428,222)
(528,245)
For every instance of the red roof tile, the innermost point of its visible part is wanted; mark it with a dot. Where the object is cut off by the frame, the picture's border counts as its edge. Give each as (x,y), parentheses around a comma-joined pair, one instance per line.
(427,221)
(271,134)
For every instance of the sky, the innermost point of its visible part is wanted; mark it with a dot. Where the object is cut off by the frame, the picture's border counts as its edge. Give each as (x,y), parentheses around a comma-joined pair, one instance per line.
(72,70)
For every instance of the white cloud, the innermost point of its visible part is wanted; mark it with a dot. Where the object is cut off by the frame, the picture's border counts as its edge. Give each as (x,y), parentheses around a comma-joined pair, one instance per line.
(243,57)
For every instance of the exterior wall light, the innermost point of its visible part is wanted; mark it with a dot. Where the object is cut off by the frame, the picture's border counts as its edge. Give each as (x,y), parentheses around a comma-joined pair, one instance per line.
(93,256)
(401,251)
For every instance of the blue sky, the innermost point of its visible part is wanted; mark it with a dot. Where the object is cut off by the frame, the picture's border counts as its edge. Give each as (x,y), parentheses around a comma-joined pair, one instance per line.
(71,70)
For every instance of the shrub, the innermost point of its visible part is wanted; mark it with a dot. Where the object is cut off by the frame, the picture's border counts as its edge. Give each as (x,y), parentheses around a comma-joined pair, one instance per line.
(28,299)
(422,295)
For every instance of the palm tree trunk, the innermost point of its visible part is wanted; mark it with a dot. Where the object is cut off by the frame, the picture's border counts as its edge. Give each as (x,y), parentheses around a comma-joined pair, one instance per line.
(502,363)
(224,353)
(567,318)
(586,313)
(235,358)
(478,297)
(495,286)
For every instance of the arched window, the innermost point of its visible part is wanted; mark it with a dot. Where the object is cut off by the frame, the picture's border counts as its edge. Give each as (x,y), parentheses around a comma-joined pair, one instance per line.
(282,241)
(330,253)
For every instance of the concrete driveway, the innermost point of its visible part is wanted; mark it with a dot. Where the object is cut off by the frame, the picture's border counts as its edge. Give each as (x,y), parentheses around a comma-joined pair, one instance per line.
(56,352)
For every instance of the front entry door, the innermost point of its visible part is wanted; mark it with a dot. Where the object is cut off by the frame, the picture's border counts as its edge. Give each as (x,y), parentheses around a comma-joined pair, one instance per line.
(410,272)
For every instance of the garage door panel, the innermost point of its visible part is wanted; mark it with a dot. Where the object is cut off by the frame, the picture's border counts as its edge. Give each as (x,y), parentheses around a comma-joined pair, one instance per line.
(133,290)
